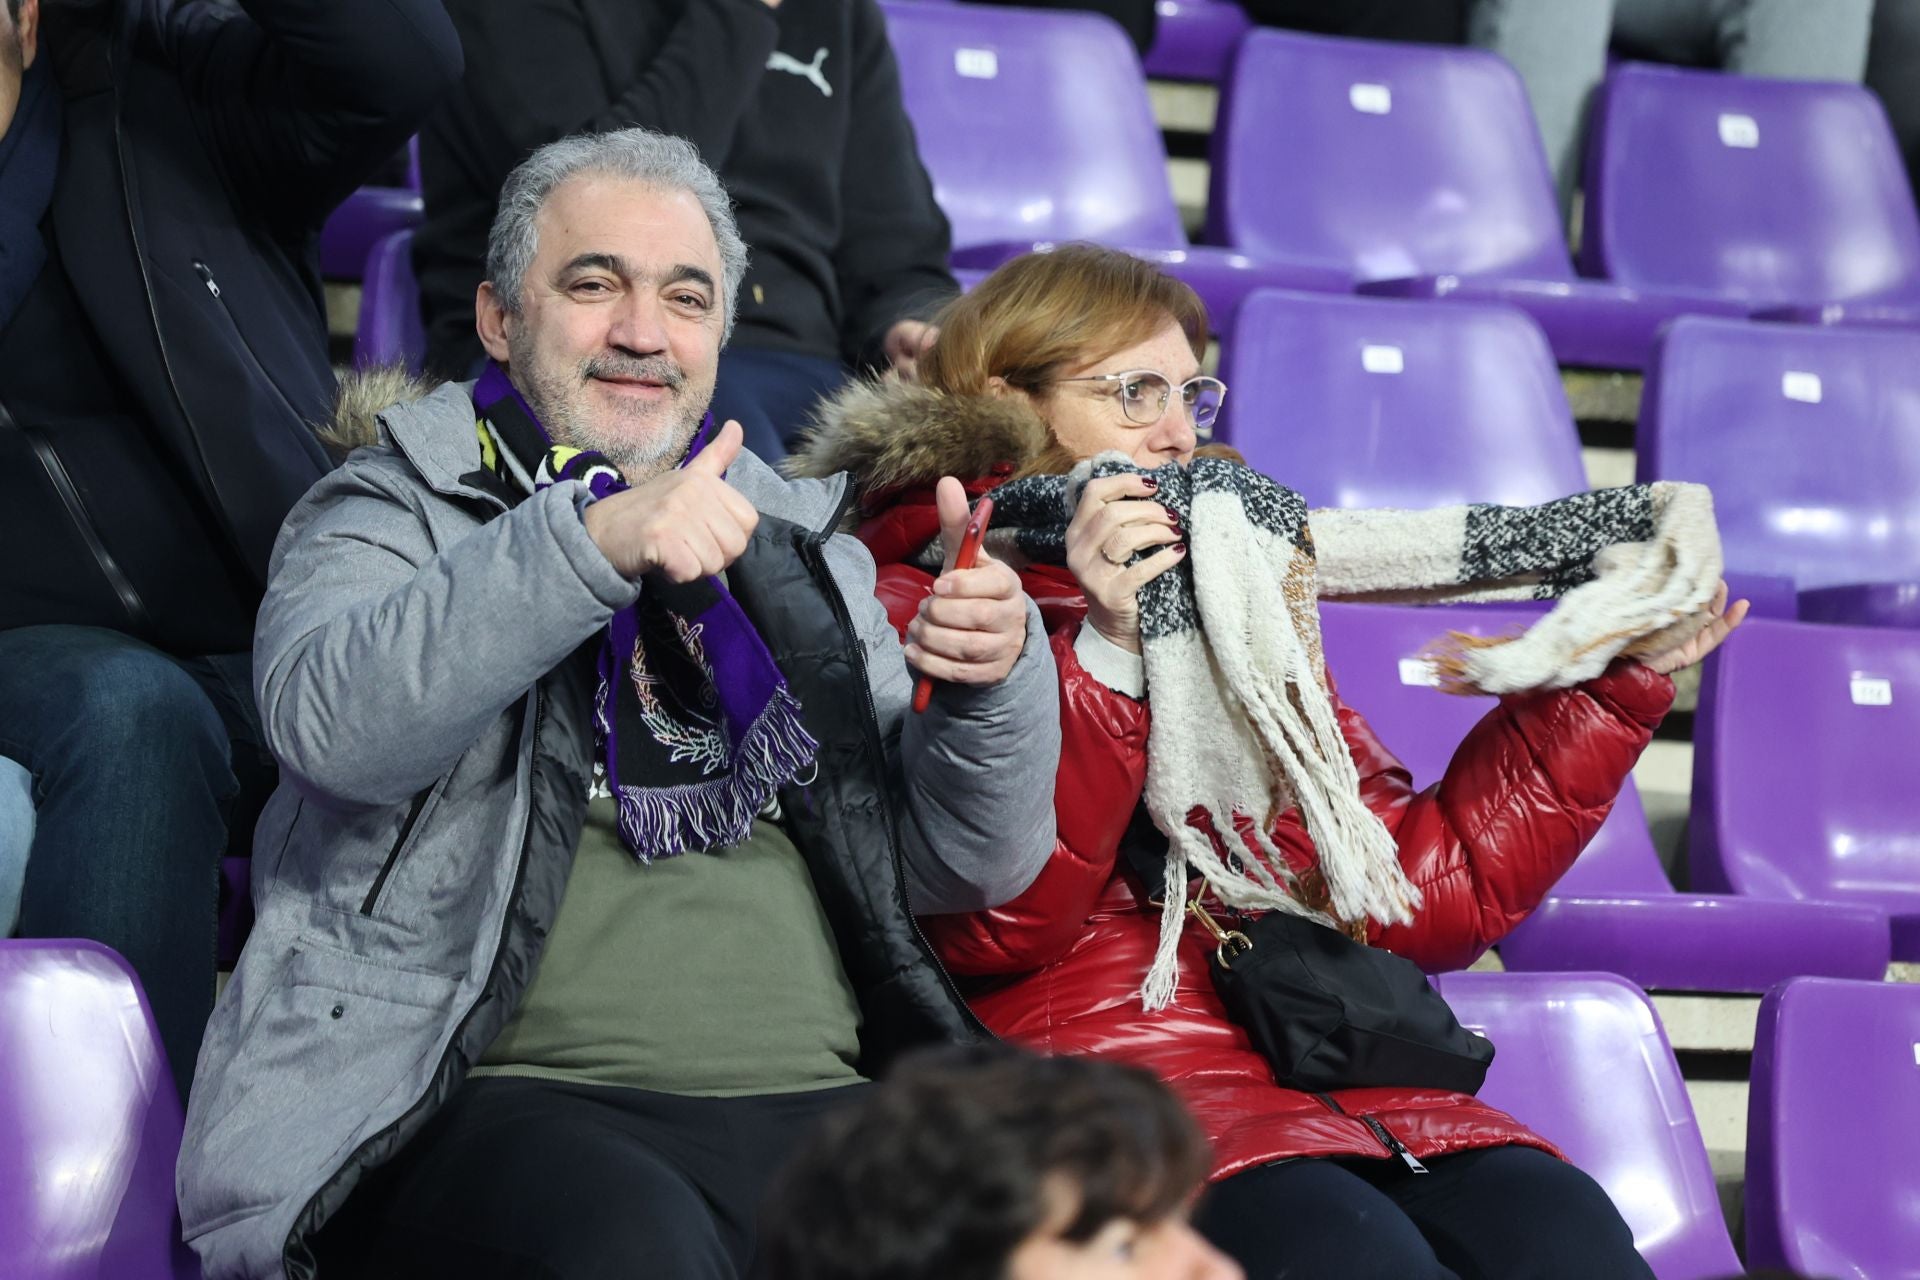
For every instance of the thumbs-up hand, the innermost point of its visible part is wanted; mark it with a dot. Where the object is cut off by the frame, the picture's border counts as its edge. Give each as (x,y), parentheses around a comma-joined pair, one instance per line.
(972,628)
(687,524)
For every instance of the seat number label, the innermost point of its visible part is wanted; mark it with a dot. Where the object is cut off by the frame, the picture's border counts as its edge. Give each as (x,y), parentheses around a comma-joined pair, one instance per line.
(1739,131)
(1872,691)
(1418,671)
(977,64)
(1382,359)
(1804,387)
(1372,99)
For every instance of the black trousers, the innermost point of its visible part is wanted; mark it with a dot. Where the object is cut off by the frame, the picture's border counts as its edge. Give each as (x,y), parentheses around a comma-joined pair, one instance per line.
(1503,1213)
(519,1179)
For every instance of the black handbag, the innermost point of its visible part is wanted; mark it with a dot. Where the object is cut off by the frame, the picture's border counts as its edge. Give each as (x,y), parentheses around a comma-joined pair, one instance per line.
(1328,1012)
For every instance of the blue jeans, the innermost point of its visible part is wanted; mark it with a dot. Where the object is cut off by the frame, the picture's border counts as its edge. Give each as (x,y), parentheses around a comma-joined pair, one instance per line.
(145,769)
(771,394)
(16,838)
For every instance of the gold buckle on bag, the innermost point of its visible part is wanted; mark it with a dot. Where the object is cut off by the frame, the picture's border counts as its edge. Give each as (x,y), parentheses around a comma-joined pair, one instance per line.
(1232,941)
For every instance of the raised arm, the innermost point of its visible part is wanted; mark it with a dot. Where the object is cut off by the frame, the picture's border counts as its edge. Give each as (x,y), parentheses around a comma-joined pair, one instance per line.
(379,657)
(304,98)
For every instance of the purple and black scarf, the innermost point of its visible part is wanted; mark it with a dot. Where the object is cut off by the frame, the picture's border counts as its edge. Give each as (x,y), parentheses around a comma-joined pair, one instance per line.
(696,726)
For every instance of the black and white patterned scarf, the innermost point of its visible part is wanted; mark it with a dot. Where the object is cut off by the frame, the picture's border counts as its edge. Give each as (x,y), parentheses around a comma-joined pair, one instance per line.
(1244,724)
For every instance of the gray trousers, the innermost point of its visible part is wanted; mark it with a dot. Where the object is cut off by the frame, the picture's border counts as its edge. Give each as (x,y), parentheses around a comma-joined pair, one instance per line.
(1560,49)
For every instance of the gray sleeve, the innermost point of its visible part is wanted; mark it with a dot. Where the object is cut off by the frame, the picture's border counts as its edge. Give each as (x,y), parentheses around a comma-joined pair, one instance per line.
(379,657)
(978,765)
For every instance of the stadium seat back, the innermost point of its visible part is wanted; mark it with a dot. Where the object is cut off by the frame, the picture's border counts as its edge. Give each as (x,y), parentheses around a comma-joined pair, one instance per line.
(1582,1060)
(1035,126)
(1809,438)
(390,330)
(1375,653)
(366,217)
(1806,753)
(89,1121)
(1768,191)
(1389,160)
(1361,402)
(1831,1184)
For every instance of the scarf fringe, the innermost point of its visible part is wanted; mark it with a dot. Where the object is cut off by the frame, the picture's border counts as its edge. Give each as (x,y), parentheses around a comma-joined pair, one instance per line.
(664,822)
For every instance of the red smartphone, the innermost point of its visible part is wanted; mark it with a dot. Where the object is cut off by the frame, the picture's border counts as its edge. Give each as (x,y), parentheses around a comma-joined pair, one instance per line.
(969,552)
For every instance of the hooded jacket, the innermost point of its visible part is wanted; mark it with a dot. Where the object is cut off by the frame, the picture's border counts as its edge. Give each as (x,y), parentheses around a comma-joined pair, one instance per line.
(425,673)
(1061,965)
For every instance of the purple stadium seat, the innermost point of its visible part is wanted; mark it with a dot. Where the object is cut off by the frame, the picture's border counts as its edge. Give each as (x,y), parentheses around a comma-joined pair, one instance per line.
(1615,909)
(1804,767)
(1194,39)
(89,1121)
(1810,439)
(1363,402)
(365,218)
(1419,171)
(1831,1185)
(390,330)
(1582,1060)
(1036,129)
(236,910)
(1771,193)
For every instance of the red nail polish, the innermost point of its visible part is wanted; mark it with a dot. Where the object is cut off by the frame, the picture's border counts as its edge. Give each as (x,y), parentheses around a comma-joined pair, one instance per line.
(1181,547)
(1150,482)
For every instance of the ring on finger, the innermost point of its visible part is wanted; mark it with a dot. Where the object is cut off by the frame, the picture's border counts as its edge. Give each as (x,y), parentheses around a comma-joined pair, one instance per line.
(1108,557)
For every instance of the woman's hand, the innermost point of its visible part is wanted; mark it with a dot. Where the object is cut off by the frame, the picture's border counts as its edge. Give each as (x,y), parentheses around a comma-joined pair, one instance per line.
(1720,623)
(1117,517)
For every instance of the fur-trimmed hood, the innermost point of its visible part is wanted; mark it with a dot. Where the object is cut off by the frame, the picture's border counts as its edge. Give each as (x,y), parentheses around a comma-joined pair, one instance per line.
(890,435)
(362,397)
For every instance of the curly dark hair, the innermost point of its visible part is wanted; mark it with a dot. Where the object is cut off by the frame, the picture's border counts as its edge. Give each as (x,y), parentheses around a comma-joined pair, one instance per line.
(943,1169)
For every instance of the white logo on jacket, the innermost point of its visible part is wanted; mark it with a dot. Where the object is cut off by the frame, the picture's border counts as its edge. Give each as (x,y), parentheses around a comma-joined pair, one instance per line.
(777,61)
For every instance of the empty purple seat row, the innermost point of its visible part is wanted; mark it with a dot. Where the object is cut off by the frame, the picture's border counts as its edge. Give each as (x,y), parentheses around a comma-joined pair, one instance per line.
(1417,171)
(1831,1187)
(1805,745)
(1788,197)
(1581,1058)
(1615,910)
(1036,129)
(1810,440)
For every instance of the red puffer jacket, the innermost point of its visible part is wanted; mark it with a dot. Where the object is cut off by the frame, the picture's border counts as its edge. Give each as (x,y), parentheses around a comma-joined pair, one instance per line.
(1060,967)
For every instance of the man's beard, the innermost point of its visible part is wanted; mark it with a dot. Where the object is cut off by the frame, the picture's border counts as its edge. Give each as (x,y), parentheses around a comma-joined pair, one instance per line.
(664,432)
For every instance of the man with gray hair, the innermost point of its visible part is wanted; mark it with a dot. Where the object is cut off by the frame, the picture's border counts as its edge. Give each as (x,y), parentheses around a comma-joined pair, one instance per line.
(586,891)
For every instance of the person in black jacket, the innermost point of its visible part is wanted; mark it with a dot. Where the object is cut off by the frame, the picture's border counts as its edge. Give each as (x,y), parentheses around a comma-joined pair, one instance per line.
(164,170)
(796,104)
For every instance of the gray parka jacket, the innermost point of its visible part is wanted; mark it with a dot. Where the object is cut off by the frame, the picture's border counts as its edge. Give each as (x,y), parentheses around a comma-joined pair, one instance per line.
(423,663)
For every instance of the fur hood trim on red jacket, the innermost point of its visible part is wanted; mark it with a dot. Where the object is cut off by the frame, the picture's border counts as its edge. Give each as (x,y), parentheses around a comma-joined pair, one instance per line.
(890,435)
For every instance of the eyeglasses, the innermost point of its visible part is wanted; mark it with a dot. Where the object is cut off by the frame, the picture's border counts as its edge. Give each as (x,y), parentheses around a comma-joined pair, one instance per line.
(1145,393)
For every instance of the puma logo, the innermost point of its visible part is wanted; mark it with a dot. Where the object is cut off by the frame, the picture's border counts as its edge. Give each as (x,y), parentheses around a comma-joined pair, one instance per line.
(786,62)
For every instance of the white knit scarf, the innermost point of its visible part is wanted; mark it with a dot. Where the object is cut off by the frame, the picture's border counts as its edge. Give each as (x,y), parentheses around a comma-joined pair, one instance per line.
(1243,719)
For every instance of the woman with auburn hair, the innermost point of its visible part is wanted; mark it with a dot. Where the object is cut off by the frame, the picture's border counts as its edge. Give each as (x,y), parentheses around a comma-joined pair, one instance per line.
(1178,588)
